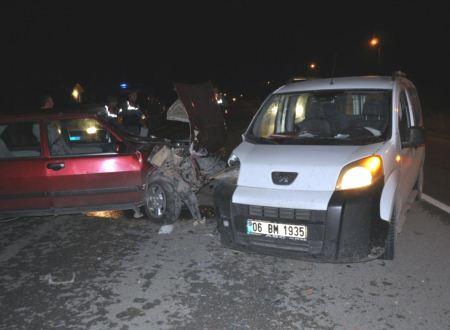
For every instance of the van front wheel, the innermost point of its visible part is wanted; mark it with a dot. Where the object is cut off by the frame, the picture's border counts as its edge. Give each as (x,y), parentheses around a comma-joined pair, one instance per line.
(418,187)
(391,238)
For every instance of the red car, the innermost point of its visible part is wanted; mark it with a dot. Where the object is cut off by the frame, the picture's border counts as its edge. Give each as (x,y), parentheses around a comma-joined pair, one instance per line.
(56,163)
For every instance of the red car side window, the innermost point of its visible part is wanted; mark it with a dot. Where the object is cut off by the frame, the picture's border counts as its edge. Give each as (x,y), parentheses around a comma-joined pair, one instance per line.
(84,136)
(20,140)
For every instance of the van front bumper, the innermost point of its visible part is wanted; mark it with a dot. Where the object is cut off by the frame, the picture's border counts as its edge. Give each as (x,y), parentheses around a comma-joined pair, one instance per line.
(349,230)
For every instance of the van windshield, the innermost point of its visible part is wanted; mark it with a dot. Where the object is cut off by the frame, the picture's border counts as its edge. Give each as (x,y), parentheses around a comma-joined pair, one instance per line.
(324,117)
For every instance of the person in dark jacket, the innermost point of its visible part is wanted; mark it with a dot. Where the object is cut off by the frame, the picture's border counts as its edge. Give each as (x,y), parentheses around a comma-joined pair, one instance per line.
(131,114)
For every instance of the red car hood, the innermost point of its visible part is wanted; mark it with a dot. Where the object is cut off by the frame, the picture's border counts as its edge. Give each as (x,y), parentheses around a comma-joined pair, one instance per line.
(205,116)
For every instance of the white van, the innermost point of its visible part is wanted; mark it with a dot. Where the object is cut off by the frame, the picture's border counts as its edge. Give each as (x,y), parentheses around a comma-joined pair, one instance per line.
(327,169)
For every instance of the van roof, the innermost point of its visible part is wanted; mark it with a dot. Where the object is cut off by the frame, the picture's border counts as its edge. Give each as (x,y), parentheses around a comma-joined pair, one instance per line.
(363,82)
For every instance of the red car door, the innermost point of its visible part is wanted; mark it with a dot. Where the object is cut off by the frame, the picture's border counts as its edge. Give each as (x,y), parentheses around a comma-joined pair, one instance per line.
(23,184)
(86,171)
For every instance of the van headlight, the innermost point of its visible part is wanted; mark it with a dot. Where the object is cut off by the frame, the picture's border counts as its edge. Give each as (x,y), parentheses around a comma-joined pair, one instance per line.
(361,173)
(234,160)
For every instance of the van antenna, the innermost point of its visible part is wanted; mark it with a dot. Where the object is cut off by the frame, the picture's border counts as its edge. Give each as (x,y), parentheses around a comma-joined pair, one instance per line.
(333,68)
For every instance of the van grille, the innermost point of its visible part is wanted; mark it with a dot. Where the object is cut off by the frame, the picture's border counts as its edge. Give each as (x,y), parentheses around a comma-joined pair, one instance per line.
(279,213)
(313,219)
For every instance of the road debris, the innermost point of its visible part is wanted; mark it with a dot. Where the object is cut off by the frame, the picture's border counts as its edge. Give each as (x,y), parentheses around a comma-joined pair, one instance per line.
(166,229)
(200,222)
(51,281)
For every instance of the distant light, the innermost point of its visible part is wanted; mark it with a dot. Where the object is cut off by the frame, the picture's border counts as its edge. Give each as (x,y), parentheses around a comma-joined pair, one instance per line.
(242,95)
(219,101)
(268,82)
(91,130)
(398,158)
(75,94)
(123,85)
(312,66)
(234,99)
(298,79)
(374,42)
(224,94)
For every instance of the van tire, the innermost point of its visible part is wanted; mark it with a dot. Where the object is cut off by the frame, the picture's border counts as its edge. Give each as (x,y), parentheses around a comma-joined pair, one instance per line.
(161,203)
(418,186)
(391,238)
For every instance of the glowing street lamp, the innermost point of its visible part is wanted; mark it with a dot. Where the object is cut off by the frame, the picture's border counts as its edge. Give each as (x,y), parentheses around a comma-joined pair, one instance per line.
(312,66)
(374,42)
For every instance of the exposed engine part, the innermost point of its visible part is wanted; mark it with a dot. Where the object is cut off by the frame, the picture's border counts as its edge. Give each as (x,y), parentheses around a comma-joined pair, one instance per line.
(186,172)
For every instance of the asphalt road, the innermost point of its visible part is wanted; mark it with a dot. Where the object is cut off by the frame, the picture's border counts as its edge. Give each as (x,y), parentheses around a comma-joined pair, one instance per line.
(437,168)
(107,270)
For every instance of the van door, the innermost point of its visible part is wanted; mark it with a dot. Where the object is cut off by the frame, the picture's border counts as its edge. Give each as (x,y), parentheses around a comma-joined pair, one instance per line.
(23,184)
(86,170)
(417,121)
(408,155)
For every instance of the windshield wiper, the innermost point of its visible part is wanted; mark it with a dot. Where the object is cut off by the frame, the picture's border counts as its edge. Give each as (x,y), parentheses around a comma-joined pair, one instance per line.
(253,138)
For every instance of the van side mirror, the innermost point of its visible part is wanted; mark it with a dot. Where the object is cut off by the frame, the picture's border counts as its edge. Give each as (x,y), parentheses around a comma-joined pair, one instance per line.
(416,138)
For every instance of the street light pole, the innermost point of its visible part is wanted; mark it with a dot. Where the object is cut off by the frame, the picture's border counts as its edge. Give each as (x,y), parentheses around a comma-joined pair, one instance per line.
(375,43)
(379,59)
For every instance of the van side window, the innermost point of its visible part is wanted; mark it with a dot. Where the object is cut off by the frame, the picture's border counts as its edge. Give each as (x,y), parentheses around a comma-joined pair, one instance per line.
(404,122)
(416,108)
(266,123)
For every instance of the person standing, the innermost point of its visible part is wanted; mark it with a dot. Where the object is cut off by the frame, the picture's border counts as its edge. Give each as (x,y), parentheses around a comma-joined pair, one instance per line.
(46,102)
(132,116)
(154,113)
(112,110)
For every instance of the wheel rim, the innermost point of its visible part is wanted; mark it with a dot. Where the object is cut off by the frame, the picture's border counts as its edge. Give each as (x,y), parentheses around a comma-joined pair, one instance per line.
(156,200)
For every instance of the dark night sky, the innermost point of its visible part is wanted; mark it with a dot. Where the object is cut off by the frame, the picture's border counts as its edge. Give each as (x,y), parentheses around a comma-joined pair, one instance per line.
(237,44)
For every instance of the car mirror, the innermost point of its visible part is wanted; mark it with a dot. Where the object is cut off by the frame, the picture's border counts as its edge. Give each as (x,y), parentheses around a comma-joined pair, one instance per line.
(416,138)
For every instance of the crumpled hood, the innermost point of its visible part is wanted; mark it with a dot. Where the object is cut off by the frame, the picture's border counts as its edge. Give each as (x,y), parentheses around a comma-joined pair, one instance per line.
(318,166)
(205,116)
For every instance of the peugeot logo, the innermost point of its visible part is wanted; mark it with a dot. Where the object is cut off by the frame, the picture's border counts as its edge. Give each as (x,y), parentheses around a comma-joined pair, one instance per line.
(283,178)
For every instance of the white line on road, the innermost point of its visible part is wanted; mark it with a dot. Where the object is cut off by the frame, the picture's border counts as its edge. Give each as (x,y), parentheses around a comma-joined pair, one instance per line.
(436,203)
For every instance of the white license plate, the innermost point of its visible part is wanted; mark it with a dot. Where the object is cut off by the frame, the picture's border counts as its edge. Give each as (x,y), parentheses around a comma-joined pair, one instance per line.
(257,227)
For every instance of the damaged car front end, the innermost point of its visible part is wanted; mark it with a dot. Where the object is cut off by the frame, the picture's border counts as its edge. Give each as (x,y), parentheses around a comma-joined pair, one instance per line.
(183,167)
